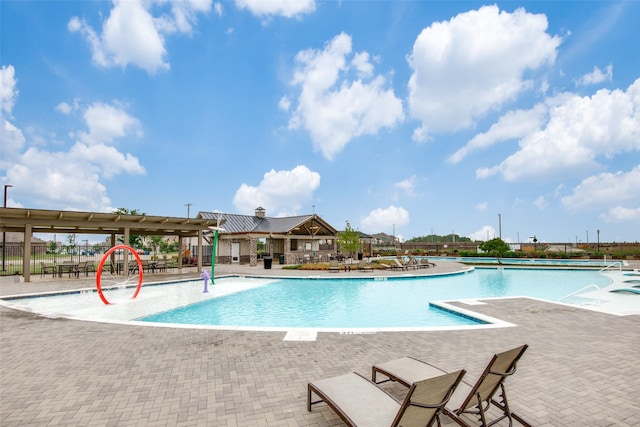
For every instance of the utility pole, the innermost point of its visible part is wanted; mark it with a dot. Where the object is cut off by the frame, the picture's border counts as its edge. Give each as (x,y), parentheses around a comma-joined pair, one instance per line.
(500,226)
(188,205)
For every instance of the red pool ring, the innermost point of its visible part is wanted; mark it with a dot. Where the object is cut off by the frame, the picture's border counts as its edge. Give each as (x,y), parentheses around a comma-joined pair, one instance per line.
(104,259)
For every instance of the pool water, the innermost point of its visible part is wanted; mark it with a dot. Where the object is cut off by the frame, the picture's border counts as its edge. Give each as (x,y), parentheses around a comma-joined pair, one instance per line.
(367,303)
(563,262)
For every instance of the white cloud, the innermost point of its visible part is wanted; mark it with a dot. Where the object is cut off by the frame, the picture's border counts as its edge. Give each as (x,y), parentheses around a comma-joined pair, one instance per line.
(334,109)
(8,89)
(474,63)
(513,125)
(284,104)
(579,131)
(621,214)
(280,192)
(384,219)
(217,7)
(486,233)
(11,138)
(596,76)
(541,203)
(482,206)
(13,142)
(106,123)
(407,186)
(58,179)
(132,35)
(621,190)
(286,8)
(70,179)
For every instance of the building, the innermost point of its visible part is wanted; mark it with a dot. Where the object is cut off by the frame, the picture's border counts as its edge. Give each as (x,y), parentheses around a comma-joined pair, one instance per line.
(289,240)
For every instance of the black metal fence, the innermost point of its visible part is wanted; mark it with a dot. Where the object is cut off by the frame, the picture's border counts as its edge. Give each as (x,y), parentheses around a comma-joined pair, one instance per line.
(42,256)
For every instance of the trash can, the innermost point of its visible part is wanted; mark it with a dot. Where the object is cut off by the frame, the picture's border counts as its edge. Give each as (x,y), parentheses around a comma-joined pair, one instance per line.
(267,262)
(281,259)
(359,256)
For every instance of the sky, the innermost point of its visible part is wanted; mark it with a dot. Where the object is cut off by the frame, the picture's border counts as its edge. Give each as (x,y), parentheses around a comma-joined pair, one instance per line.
(510,119)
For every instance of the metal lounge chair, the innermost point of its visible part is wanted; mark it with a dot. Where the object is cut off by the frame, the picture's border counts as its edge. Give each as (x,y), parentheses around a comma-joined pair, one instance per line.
(359,402)
(474,399)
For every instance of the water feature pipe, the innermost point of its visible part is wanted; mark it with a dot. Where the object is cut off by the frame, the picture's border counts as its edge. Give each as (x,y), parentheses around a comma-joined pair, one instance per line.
(215,229)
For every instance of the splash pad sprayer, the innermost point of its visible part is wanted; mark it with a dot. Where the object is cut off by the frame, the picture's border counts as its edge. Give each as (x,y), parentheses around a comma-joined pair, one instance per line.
(205,276)
(125,268)
(214,246)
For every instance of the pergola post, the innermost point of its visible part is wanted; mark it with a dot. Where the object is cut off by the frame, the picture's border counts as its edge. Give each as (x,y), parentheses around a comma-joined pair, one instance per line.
(200,252)
(26,257)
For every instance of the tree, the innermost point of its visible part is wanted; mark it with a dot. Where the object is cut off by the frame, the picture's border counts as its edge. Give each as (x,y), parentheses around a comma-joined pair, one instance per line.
(495,247)
(135,241)
(349,239)
(154,242)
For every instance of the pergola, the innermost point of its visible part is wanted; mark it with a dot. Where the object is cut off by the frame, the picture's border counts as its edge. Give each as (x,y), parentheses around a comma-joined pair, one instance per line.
(29,221)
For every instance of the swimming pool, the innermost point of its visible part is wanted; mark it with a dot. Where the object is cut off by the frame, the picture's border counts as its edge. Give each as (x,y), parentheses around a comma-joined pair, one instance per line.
(560,262)
(318,303)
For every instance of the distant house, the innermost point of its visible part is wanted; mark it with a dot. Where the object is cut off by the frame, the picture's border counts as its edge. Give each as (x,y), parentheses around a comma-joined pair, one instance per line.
(289,240)
(15,244)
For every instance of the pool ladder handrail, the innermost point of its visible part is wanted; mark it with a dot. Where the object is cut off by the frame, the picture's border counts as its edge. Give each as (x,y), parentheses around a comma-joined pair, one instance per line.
(613,264)
(593,285)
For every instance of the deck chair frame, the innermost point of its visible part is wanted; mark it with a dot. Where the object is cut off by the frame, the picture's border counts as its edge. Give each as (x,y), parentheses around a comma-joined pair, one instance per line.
(482,393)
(406,414)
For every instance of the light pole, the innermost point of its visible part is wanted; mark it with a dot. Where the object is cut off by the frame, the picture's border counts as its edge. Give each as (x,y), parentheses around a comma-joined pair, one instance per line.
(4,235)
(500,226)
(598,233)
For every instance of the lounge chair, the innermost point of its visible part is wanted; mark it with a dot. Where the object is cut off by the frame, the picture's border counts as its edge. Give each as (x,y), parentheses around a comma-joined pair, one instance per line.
(469,399)
(334,266)
(359,402)
(399,265)
(424,263)
(363,266)
(626,290)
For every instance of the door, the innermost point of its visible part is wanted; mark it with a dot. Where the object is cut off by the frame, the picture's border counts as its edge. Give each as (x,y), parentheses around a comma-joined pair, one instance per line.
(235,252)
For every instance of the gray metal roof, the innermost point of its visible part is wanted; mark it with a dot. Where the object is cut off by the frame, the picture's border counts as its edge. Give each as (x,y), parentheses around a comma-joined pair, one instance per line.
(234,223)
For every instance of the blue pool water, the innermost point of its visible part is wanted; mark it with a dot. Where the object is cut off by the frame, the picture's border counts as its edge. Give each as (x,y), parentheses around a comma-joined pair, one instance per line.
(367,303)
(530,261)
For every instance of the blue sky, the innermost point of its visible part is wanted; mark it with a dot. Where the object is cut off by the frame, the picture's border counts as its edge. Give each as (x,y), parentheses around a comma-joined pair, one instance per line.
(405,117)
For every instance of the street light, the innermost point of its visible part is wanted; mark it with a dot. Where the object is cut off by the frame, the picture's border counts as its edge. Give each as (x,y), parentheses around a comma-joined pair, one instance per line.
(598,233)
(4,235)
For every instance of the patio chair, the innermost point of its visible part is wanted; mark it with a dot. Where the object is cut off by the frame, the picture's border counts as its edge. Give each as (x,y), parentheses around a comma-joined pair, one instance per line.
(473,399)
(48,268)
(88,267)
(334,266)
(360,402)
(161,265)
(82,265)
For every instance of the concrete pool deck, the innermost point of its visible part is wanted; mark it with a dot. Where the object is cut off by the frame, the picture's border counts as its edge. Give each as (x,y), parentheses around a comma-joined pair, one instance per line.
(580,368)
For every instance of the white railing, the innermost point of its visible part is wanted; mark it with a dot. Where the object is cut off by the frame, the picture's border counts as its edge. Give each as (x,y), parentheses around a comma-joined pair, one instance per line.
(597,288)
(613,264)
